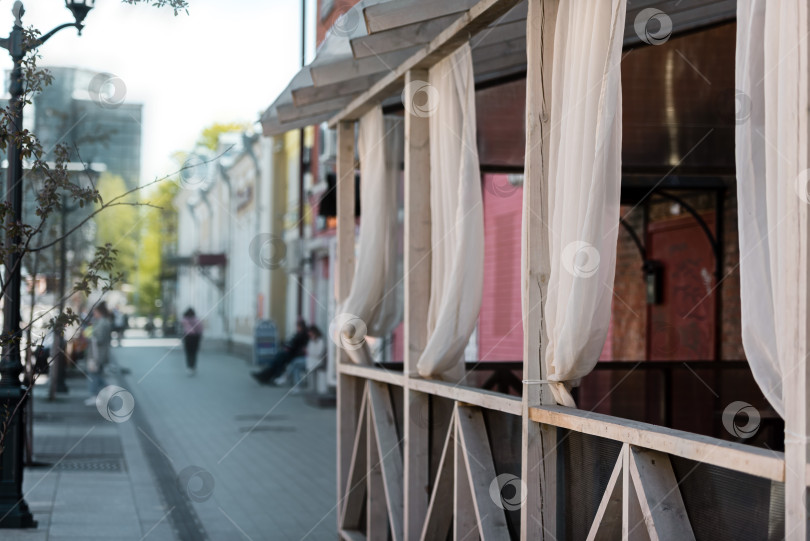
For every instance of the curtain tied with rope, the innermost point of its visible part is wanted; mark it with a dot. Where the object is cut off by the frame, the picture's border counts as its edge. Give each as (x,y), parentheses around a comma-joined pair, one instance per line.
(374,305)
(457,218)
(584,183)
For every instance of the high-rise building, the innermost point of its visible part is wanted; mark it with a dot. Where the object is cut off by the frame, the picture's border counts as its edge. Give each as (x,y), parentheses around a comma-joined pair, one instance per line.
(88,112)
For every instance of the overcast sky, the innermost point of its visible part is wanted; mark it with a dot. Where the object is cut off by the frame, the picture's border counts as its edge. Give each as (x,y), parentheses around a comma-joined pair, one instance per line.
(225,61)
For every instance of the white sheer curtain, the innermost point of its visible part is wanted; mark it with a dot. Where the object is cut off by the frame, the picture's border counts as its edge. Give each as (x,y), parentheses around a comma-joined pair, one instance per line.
(457,234)
(771,184)
(374,305)
(584,186)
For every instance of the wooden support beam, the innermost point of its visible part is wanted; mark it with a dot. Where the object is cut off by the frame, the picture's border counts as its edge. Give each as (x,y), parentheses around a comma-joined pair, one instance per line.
(464,524)
(387,15)
(633,527)
(480,473)
(349,388)
(538,519)
(796,379)
(607,524)
(661,504)
(389,453)
(350,504)
(451,38)
(417,257)
(439,515)
(376,513)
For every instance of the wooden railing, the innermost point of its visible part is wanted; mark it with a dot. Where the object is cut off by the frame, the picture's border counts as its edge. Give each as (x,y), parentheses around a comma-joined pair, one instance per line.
(460,494)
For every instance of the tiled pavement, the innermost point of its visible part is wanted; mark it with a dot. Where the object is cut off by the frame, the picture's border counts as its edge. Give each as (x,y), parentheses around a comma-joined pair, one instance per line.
(214,455)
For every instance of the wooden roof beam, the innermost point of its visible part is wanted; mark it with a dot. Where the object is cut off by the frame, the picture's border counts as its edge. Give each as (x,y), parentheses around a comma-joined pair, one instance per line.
(387,15)
(470,23)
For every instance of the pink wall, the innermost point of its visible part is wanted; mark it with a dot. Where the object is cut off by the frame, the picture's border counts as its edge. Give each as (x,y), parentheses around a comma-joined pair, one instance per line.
(500,331)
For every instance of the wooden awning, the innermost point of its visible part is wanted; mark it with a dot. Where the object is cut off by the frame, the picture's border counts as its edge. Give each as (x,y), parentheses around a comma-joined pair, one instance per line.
(365,55)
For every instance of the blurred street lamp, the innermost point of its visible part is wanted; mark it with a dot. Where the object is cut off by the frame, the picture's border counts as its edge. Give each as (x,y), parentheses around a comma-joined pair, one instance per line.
(14,512)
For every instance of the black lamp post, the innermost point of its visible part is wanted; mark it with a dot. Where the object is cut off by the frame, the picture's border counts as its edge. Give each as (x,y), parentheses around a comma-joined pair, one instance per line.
(14,512)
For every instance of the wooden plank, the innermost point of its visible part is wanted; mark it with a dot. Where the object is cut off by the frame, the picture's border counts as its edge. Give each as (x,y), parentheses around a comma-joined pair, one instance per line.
(539,443)
(468,395)
(389,452)
(290,112)
(633,527)
(796,376)
(374,373)
(464,524)
(726,454)
(376,513)
(480,472)
(659,496)
(438,516)
(387,15)
(498,50)
(401,37)
(498,34)
(306,95)
(351,68)
(417,250)
(350,502)
(607,524)
(348,387)
(467,25)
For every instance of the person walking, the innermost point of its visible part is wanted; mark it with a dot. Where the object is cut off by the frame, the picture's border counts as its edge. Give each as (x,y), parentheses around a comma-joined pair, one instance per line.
(100,340)
(192,334)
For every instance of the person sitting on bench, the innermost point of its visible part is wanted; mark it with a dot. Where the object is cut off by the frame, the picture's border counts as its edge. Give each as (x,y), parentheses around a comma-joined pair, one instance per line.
(295,347)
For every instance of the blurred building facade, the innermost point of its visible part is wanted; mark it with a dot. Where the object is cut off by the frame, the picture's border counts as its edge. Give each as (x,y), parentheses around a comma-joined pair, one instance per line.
(230,259)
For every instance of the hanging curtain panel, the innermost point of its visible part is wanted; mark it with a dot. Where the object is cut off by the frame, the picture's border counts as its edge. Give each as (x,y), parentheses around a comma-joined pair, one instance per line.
(457,230)
(584,187)
(771,184)
(374,305)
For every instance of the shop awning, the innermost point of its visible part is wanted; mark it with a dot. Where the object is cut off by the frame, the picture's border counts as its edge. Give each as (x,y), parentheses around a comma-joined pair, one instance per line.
(364,56)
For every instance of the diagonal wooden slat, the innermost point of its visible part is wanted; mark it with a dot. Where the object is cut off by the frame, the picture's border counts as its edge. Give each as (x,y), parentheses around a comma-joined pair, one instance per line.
(607,524)
(464,524)
(480,471)
(355,489)
(376,513)
(390,452)
(660,498)
(439,516)
(633,527)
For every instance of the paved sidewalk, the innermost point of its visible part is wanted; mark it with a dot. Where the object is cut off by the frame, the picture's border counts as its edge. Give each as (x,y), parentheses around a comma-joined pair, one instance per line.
(210,456)
(91,480)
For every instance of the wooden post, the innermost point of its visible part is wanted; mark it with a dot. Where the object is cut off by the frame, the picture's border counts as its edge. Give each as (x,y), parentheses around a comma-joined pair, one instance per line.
(538,452)
(417,297)
(348,387)
(795,383)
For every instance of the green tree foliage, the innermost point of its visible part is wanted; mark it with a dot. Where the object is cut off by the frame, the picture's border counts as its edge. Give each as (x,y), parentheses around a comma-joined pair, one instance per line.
(209,138)
(119,226)
(158,237)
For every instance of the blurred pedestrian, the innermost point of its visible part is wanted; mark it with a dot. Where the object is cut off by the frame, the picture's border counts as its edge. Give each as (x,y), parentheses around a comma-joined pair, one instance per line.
(295,347)
(192,334)
(120,322)
(99,356)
